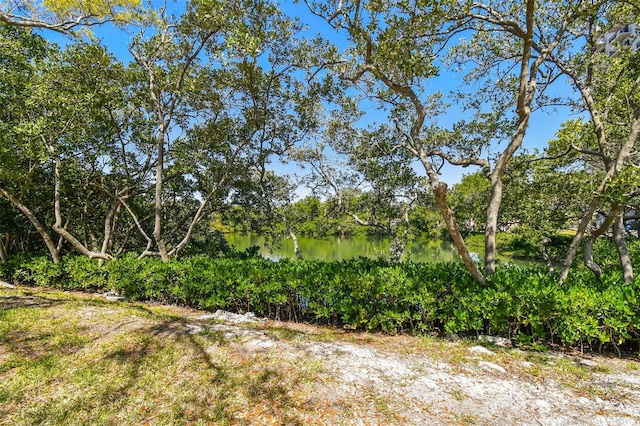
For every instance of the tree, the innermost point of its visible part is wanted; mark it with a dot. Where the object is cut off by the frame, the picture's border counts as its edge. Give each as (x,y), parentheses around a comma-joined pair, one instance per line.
(310,217)
(394,45)
(392,52)
(469,200)
(391,44)
(577,147)
(607,86)
(278,113)
(205,83)
(210,100)
(21,52)
(60,143)
(540,32)
(271,198)
(66,15)
(364,182)
(80,89)
(170,62)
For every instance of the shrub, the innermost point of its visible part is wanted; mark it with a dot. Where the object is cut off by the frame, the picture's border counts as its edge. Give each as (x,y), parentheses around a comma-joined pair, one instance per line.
(524,304)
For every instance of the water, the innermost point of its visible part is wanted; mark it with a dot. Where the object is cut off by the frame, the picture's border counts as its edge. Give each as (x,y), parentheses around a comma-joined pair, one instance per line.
(335,248)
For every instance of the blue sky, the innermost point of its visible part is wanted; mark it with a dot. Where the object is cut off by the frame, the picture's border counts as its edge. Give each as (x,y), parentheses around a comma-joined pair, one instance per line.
(543,124)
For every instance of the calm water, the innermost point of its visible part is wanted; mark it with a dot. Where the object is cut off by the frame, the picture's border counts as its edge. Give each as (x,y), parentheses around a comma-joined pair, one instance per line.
(334,248)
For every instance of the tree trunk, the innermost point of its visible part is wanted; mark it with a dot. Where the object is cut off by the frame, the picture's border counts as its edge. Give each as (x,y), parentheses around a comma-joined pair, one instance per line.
(292,235)
(491,227)
(196,219)
(55,256)
(109,224)
(146,251)
(526,91)
(296,245)
(397,247)
(400,232)
(588,257)
(495,200)
(3,249)
(440,193)
(60,239)
(157,227)
(589,241)
(577,239)
(57,226)
(115,223)
(621,246)
(625,151)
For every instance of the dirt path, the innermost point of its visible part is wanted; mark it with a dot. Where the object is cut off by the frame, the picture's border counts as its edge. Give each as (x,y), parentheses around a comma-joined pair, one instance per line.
(381,380)
(418,390)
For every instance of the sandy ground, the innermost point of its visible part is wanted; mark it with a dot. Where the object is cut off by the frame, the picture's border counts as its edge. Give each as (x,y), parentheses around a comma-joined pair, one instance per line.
(383,380)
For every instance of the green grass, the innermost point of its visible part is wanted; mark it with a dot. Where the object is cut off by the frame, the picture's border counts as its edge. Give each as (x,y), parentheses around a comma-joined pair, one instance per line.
(76,362)
(504,240)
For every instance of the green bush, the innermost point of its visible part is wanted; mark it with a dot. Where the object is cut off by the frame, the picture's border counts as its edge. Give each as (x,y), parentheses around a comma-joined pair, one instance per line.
(526,305)
(43,272)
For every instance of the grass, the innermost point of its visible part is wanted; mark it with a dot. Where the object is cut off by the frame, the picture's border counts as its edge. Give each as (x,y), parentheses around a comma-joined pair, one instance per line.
(458,395)
(71,361)
(380,406)
(475,243)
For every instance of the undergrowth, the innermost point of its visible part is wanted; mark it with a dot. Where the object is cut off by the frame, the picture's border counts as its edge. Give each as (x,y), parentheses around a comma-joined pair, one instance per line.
(524,304)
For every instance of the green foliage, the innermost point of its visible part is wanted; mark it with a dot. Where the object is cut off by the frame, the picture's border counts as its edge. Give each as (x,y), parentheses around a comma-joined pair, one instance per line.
(313,218)
(213,245)
(469,200)
(41,272)
(526,305)
(67,15)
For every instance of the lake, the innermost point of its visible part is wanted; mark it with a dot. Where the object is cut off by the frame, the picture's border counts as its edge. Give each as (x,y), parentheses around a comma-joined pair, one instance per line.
(335,248)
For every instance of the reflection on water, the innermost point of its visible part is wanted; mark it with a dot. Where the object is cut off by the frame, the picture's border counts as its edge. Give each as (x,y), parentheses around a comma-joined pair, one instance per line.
(335,248)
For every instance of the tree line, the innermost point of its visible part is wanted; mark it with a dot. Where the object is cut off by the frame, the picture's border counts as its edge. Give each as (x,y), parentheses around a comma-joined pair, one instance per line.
(103,156)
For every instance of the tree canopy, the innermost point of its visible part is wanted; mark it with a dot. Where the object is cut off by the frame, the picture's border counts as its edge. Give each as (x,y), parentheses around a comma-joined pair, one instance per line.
(102,156)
